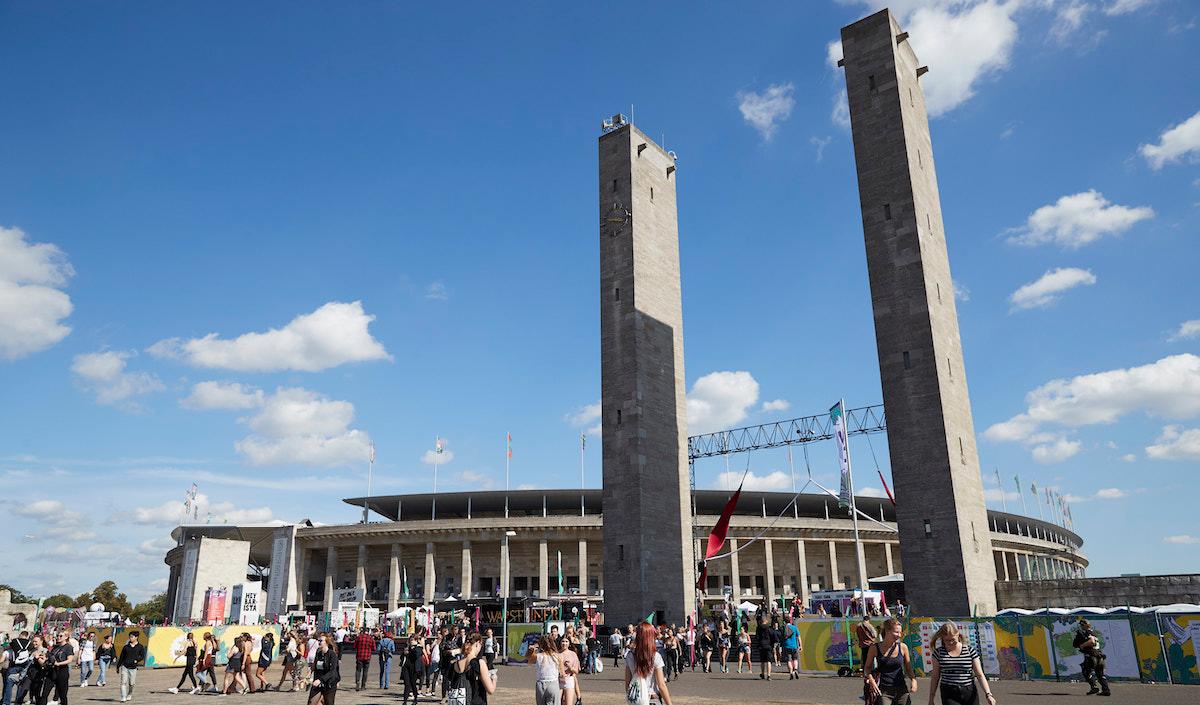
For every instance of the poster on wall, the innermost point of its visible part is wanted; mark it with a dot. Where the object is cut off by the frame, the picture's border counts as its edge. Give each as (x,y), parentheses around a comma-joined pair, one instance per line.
(214,605)
(244,606)
(982,636)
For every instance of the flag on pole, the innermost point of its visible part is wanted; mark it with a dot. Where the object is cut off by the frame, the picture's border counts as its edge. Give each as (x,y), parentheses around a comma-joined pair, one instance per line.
(716,539)
(583,441)
(510,445)
(887,489)
(404,583)
(439,446)
(837,415)
(371,457)
(560,574)
(1033,489)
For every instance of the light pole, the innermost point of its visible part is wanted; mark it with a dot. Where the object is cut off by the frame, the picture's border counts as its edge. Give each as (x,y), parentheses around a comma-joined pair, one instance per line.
(504,611)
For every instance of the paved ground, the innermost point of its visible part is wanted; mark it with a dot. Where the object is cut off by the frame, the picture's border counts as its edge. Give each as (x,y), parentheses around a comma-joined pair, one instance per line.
(516,687)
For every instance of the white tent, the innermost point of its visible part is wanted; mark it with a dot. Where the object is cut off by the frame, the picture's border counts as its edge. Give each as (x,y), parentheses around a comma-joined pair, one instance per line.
(748,606)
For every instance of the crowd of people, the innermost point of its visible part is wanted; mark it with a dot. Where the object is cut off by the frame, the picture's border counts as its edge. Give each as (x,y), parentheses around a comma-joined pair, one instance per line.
(37,668)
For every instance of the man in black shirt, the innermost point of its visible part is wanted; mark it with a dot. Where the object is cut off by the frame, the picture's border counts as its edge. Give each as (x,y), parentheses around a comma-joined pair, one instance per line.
(132,655)
(1093,658)
(19,655)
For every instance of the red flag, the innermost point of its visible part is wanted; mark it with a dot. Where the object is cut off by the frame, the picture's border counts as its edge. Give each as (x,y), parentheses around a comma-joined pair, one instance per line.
(886,488)
(716,539)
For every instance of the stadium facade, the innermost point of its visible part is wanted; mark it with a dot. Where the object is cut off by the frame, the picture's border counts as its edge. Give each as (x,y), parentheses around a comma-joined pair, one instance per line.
(467,547)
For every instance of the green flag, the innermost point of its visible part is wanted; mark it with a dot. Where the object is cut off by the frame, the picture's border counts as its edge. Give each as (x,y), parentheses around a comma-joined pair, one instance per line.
(405,583)
(560,574)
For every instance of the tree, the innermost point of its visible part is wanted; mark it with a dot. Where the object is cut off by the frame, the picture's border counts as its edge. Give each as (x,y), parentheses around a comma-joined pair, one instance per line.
(107,595)
(18,597)
(59,600)
(152,610)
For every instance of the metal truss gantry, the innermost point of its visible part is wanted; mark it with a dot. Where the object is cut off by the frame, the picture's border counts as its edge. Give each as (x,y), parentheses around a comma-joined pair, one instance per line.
(806,429)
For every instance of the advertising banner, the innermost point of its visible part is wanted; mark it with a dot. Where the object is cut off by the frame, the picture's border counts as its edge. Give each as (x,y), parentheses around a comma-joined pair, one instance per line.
(519,637)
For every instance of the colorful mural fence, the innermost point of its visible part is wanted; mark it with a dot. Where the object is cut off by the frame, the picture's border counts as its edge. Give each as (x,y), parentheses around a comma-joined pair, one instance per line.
(166,646)
(1147,647)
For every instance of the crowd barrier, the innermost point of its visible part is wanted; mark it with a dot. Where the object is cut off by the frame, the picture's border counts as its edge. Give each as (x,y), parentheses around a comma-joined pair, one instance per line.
(166,646)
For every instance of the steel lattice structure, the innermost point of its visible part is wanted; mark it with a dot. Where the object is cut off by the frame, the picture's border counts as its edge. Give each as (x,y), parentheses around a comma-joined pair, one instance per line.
(806,429)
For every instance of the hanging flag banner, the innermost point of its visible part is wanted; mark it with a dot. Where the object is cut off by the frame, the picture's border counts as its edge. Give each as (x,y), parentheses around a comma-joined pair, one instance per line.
(838,416)
(888,490)
(716,539)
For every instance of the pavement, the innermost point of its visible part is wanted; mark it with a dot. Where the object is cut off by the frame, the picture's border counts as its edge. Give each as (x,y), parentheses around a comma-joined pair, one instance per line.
(516,686)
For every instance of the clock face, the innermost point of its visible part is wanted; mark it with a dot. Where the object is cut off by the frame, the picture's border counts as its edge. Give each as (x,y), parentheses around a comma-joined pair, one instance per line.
(616,218)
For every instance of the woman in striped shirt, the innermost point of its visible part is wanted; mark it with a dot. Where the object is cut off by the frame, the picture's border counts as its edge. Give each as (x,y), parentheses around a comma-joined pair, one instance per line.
(956,668)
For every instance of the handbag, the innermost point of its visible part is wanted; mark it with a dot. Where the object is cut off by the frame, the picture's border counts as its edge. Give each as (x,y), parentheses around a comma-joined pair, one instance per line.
(599,666)
(457,696)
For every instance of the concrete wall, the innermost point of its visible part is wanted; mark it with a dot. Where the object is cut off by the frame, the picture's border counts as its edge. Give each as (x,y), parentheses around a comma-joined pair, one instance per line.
(1135,591)
(220,563)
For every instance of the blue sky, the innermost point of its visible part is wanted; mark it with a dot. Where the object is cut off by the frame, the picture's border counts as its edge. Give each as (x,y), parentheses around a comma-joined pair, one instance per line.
(239,245)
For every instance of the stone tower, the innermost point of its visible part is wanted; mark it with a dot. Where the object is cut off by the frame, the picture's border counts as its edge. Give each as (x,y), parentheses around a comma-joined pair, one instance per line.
(944,537)
(647,523)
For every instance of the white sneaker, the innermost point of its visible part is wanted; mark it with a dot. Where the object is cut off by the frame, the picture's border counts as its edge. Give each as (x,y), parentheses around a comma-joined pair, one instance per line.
(174,691)
(83,684)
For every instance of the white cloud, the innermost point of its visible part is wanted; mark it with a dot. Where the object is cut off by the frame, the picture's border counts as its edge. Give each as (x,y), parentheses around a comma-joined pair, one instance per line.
(764,111)
(222,395)
(1129,457)
(820,143)
(1077,220)
(720,400)
(333,335)
(586,416)
(775,405)
(1111,493)
(833,54)
(1069,19)
(51,512)
(773,481)
(32,304)
(994,494)
(431,456)
(1187,330)
(841,110)
(171,513)
(1175,143)
(1182,539)
(1124,7)
(298,426)
(1176,443)
(1047,289)
(476,480)
(437,291)
(870,492)
(103,373)
(1055,450)
(1168,388)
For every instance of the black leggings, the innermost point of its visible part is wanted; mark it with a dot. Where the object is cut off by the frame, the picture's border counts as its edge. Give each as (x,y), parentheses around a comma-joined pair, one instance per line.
(62,679)
(953,694)
(410,679)
(188,672)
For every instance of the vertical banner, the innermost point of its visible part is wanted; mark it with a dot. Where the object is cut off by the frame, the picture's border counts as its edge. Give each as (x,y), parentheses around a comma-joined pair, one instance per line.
(184,595)
(281,563)
(838,416)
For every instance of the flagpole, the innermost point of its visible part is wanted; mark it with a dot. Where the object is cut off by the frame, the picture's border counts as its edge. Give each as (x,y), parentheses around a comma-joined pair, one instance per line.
(1000,485)
(582,446)
(507,462)
(1021,494)
(370,471)
(437,455)
(858,547)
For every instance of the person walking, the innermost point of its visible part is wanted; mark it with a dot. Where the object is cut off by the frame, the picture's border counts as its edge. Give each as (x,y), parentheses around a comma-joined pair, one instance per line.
(1093,659)
(106,653)
(189,666)
(743,649)
(489,648)
(87,658)
(473,665)
(723,642)
(62,656)
(644,670)
(18,659)
(133,655)
(364,649)
(956,668)
(266,655)
(766,647)
(865,632)
(287,649)
(387,649)
(888,671)
(40,678)
(412,670)
(616,644)
(568,683)
(544,655)
(708,643)
(204,665)
(792,646)
(326,673)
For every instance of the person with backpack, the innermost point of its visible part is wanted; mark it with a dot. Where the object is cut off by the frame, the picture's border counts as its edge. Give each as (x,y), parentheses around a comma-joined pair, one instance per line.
(644,670)
(386,649)
(1093,659)
(477,679)
(412,669)
(19,656)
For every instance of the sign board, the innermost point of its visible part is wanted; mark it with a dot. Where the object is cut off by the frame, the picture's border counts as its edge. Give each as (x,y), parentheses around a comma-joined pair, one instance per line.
(244,607)
(281,563)
(354,595)
(214,605)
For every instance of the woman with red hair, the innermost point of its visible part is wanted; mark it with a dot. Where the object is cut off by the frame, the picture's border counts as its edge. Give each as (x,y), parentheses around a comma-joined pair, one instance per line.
(644,670)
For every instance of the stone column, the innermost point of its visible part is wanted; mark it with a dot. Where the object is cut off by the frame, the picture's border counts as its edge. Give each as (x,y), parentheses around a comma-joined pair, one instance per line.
(301,578)
(466,570)
(430,573)
(583,574)
(360,573)
(887,557)
(770,569)
(331,559)
(394,579)
(735,574)
(1004,560)
(543,569)
(804,582)
(833,566)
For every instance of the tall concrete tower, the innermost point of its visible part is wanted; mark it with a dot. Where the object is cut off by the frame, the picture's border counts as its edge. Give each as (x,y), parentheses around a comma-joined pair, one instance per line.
(944,537)
(647,524)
